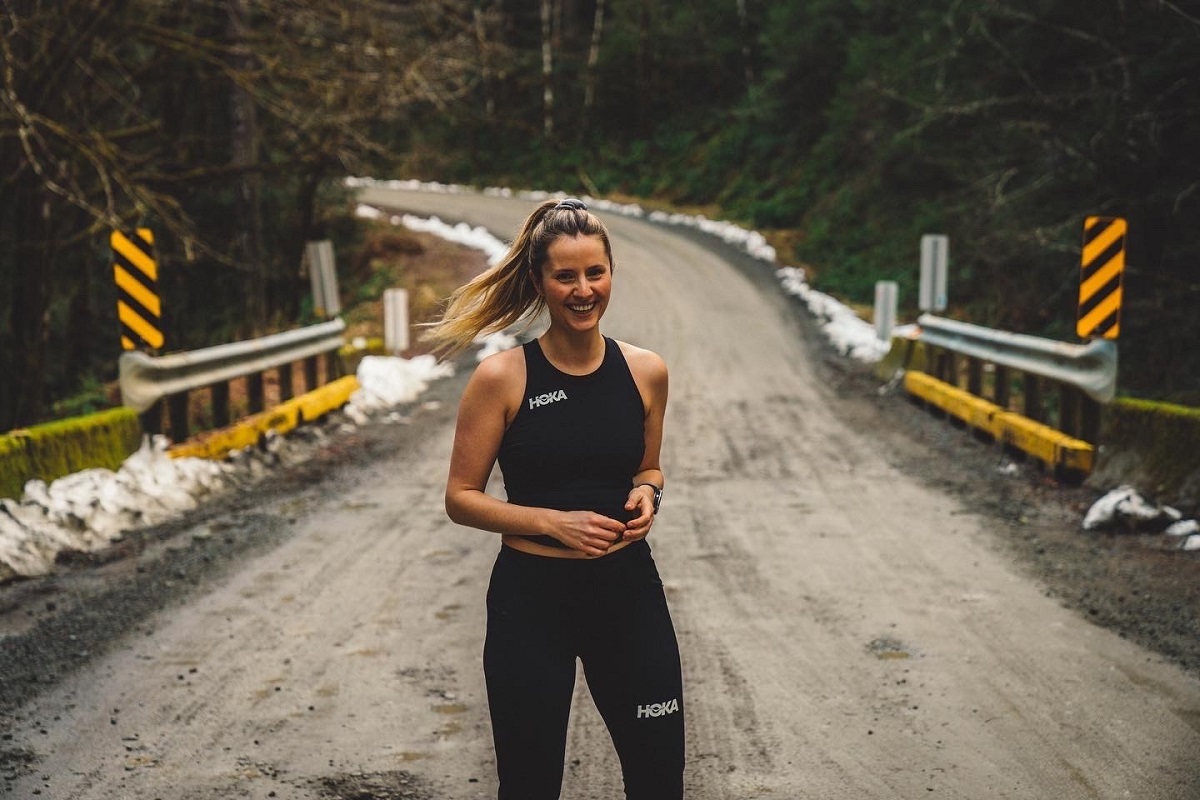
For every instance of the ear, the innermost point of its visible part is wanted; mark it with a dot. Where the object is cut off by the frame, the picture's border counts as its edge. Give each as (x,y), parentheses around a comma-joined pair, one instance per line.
(535,277)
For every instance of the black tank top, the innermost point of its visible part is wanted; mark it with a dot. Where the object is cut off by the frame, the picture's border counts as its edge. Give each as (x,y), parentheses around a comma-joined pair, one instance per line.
(577,440)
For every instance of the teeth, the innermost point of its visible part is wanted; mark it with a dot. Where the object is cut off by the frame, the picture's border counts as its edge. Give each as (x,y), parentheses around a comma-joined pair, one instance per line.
(582,309)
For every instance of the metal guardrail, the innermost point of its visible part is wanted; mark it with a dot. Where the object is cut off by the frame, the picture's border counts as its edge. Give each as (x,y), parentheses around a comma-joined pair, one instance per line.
(1091,368)
(1082,376)
(146,381)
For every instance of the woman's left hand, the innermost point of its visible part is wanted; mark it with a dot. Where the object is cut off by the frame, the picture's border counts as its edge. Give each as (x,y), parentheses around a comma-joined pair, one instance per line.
(641,499)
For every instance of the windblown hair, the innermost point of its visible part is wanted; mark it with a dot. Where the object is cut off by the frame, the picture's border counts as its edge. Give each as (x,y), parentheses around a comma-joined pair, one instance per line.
(504,293)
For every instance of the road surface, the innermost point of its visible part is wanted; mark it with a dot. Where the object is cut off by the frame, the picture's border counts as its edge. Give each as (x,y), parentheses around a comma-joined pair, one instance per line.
(847,631)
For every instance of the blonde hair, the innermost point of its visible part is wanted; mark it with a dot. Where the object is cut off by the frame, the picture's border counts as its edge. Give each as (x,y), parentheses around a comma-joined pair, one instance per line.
(504,293)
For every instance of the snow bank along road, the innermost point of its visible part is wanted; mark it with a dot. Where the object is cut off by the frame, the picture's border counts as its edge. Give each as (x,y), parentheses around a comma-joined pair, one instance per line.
(846,631)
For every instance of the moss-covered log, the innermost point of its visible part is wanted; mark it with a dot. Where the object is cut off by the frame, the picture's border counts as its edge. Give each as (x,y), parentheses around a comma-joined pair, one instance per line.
(49,451)
(1153,446)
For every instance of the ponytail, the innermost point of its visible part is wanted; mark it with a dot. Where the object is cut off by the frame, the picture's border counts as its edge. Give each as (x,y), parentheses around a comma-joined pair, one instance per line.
(505,293)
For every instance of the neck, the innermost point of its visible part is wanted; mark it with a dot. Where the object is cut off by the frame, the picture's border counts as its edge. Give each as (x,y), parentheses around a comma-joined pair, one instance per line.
(573,352)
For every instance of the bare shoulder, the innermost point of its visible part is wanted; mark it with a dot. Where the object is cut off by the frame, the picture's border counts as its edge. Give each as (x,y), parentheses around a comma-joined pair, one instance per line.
(499,378)
(646,365)
(505,365)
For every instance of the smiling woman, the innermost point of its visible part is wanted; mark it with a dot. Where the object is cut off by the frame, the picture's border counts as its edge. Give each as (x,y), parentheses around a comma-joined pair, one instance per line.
(580,281)
(574,419)
(501,296)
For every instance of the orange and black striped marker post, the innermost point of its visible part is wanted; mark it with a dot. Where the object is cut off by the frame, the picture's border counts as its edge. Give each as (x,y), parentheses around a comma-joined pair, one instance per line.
(1103,267)
(139,307)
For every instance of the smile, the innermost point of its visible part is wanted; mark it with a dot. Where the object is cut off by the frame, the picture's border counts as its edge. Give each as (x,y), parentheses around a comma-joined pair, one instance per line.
(582,309)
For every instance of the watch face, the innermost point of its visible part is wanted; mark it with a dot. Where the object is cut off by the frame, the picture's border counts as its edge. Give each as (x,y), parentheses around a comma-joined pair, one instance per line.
(657,495)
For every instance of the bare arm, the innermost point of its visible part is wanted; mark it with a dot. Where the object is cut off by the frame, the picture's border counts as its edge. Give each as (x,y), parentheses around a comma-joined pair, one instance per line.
(487,406)
(650,374)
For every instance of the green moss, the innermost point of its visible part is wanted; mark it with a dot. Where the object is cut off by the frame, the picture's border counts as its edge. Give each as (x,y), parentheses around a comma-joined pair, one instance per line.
(49,451)
(1136,406)
(1165,438)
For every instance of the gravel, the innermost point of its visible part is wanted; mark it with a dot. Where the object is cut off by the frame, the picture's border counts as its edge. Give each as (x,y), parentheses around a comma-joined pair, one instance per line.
(1139,585)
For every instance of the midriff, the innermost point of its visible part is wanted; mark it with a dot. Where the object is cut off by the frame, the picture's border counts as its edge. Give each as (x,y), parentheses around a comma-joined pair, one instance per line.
(523,544)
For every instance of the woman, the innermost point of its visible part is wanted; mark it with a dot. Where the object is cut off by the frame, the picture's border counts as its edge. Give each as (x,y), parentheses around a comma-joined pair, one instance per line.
(575,420)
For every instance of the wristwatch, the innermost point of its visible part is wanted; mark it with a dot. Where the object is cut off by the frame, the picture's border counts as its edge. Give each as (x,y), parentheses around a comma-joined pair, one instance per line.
(657,494)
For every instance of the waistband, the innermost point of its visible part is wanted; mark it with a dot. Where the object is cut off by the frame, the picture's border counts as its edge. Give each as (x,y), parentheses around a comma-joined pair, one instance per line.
(631,551)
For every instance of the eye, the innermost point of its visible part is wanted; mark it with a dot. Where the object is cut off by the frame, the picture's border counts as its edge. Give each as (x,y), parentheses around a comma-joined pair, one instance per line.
(597,272)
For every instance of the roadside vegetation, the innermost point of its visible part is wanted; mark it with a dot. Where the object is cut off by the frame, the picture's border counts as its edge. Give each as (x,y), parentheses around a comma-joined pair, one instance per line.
(842,130)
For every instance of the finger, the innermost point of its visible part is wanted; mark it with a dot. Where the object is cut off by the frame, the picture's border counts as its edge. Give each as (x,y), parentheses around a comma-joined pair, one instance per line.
(593,550)
(605,537)
(641,520)
(613,525)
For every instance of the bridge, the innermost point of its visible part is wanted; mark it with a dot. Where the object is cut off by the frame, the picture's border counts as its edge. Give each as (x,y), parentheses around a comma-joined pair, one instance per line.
(852,624)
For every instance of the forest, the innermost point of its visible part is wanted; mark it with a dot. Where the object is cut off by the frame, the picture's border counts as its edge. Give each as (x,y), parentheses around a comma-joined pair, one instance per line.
(842,129)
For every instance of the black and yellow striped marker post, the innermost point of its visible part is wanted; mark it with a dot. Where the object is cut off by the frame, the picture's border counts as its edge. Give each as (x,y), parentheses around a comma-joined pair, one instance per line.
(139,307)
(1103,265)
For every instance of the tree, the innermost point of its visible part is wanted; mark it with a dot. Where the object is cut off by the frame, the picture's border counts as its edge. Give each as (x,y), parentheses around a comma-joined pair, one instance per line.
(547,7)
(589,97)
(199,120)
(1004,124)
(65,127)
(244,158)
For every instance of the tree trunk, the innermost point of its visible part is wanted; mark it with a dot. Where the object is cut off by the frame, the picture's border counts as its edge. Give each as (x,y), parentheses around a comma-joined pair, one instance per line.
(485,61)
(244,139)
(644,89)
(589,92)
(24,401)
(747,64)
(82,332)
(306,205)
(547,71)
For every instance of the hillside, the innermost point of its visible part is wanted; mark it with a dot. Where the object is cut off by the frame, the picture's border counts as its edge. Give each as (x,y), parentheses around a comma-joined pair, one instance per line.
(843,131)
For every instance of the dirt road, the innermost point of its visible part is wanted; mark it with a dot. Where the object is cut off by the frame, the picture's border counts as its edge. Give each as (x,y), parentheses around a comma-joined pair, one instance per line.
(847,630)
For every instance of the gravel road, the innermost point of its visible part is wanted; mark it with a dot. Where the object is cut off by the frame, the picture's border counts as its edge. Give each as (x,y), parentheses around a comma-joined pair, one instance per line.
(866,608)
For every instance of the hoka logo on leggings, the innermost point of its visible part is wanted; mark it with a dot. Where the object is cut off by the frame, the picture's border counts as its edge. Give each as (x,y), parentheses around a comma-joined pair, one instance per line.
(547,398)
(658,709)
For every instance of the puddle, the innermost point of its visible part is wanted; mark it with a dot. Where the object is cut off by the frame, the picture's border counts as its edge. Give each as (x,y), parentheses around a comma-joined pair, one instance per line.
(887,649)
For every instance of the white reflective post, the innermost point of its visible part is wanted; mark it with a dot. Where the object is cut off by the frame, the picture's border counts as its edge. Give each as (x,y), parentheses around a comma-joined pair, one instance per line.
(886,293)
(395,320)
(323,274)
(935,254)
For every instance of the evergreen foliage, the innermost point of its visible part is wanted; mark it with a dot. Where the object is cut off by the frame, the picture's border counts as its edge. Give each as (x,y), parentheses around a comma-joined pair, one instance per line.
(843,128)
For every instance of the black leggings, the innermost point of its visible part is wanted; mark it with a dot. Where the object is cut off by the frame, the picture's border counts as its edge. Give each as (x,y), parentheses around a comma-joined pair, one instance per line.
(611,613)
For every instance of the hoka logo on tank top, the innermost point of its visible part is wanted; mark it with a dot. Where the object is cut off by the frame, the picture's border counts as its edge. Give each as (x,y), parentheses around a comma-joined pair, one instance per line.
(658,709)
(547,398)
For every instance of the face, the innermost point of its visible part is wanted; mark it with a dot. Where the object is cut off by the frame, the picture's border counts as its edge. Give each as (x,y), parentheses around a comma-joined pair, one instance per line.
(576,281)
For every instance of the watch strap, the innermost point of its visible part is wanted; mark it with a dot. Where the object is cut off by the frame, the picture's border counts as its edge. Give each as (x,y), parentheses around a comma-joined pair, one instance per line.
(658,493)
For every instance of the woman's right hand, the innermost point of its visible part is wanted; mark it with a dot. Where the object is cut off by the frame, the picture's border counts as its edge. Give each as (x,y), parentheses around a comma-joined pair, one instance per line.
(586,531)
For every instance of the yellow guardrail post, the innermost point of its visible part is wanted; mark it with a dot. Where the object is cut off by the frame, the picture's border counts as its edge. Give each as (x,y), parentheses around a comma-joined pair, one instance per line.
(1061,453)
